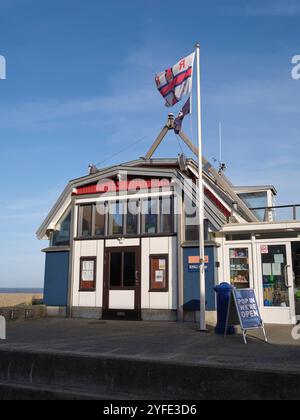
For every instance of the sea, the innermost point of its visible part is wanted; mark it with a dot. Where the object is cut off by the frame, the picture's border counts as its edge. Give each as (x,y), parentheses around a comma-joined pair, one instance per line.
(6,291)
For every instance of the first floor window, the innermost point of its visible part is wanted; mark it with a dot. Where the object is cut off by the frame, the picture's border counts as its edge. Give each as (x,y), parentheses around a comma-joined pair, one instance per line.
(88,274)
(86,221)
(100,217)
(117,218)
(151,212)
(61,236)
(166,215)
(132,217)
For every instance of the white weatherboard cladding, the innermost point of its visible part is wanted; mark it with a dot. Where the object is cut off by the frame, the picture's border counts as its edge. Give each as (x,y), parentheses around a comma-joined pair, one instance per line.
(121,299)
(159,300)
(149,246)
(88,249)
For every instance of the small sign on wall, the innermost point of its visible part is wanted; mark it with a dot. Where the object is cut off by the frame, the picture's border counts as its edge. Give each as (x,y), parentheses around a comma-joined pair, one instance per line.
(159,276)
(194,263)
(264,249)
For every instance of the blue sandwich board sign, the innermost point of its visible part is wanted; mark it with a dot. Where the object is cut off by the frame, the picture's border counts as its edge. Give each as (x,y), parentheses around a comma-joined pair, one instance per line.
(244,310)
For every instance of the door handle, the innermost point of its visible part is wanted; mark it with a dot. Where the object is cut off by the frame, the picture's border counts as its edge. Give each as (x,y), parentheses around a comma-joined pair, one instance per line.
(137,275)
(286,267)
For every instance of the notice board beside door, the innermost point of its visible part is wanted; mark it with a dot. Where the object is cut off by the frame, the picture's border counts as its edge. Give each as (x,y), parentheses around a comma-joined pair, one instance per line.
(243,310)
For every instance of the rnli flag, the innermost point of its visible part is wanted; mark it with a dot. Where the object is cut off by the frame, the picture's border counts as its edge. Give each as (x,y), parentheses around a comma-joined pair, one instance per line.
(176,82)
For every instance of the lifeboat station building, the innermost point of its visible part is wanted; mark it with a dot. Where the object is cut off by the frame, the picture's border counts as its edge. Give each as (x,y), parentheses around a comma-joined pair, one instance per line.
(123,243)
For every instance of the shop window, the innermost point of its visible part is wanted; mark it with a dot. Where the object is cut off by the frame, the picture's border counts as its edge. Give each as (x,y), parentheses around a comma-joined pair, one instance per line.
(159,273)
(88,274)
(239,268)
(275,276)
(61,236)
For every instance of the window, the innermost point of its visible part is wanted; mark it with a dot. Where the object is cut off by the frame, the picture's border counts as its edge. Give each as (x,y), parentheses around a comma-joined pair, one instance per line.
(117,219)
(86,221)
(166,215)
(87,274)
(61,236)
(275,276)
(254,200)
(191,215)
(158,215)
(191,221)
(100,219)
(116,269)
(159,273)
(239,267)
(129,269)
(132,217)
(151,211)
(122,272)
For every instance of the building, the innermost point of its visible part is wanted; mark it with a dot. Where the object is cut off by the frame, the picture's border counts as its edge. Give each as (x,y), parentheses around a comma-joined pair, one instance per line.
(123,243)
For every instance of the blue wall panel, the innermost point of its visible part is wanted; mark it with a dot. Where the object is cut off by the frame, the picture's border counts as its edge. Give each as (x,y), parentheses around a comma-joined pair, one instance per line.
(56,279)
(191,281)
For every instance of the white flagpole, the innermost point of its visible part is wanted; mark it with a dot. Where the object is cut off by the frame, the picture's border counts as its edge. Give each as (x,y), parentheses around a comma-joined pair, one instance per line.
(201,201)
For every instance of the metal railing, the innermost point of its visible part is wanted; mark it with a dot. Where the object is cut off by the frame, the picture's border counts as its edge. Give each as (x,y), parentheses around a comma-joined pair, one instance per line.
(272,214)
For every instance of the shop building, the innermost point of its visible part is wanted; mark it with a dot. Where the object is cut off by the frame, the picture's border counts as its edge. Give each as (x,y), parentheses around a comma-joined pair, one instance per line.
(123,243)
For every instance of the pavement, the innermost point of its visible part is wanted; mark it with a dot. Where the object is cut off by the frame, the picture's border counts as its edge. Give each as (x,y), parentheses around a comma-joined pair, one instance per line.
(156,341)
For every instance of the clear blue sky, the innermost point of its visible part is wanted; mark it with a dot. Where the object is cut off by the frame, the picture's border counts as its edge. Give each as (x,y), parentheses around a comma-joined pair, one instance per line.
(80,86)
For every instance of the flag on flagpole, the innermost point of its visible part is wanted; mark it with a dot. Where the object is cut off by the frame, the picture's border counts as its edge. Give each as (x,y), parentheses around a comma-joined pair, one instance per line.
(176,82)
(185,110)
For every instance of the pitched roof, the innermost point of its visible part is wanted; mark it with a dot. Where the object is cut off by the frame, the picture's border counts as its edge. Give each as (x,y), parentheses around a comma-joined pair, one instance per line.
(166,167)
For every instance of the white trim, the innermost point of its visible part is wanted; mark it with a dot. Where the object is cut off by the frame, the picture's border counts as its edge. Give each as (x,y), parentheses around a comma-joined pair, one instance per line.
(266,226)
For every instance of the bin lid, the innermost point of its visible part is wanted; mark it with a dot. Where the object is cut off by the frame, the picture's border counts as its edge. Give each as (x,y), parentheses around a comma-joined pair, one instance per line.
(223,287)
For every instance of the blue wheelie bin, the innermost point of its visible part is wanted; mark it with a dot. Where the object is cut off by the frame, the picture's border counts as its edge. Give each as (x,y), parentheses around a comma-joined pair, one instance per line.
(223,292)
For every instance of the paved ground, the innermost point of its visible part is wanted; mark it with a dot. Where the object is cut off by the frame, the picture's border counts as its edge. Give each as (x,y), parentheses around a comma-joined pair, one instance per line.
(155,341)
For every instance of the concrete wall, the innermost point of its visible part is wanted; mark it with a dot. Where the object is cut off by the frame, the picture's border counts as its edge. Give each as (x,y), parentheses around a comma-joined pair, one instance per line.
(16,299)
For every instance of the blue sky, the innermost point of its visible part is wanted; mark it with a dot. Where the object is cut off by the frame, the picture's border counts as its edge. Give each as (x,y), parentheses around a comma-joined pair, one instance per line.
(80,87)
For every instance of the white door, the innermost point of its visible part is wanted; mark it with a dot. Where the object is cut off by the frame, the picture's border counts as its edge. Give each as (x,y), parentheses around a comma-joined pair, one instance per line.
(275,282)
(238,266)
